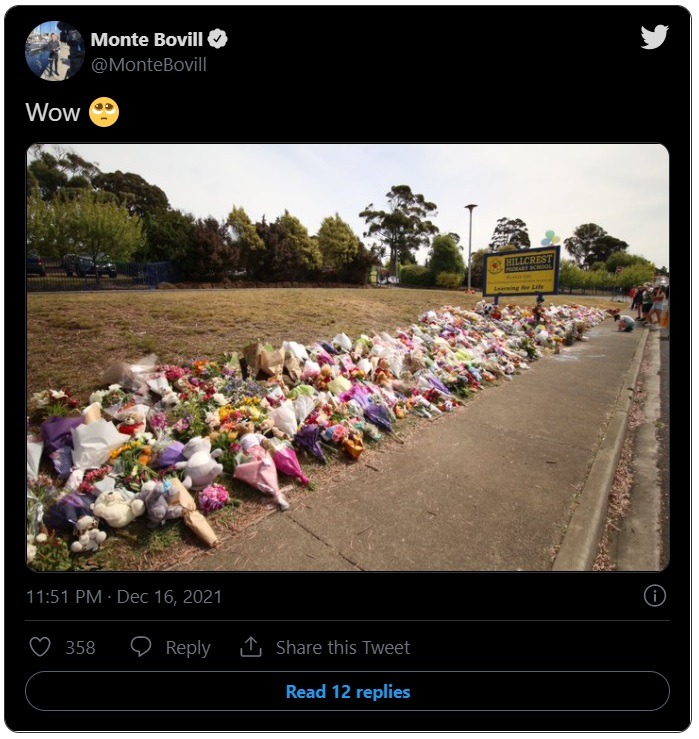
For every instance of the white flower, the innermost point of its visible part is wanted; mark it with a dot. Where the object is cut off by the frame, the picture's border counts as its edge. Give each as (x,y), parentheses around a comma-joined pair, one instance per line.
(58,394)
(31,552)
(220,399)
(113,388)
(212,419)
(170,398)
(41,538)
(97,396)
(41,399)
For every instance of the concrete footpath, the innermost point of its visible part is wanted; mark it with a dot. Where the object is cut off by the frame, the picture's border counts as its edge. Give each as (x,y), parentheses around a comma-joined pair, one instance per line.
(516,479)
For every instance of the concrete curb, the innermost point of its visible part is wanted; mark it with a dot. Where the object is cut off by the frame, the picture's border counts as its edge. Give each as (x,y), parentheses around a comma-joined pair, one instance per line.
(581,541)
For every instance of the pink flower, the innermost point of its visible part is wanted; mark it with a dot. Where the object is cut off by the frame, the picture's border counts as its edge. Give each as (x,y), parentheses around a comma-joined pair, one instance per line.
(172,372)
(212,498)
(181,425)
(157,421)
(339,433)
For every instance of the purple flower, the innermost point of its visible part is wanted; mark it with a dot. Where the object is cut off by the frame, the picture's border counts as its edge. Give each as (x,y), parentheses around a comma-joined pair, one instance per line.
(157,421)
(308,438)
(378,415)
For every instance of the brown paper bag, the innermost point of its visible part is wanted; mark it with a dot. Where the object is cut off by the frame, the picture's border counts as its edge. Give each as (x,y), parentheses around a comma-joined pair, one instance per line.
(272,363)
(192,517)
(92,413)
(251,357)
(292,368)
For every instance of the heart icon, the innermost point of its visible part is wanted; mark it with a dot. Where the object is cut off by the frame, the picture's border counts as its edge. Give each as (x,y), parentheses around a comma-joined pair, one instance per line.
(40,645)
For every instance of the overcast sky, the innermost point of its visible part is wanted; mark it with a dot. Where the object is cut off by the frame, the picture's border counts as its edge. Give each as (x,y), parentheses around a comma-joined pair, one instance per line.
(624,188)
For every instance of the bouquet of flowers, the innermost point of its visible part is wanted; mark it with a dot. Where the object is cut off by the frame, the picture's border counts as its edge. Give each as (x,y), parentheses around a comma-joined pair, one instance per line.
(212,498)
(51,402)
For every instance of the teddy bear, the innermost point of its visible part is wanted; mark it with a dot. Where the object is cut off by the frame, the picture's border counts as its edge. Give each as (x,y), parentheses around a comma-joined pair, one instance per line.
(118,507)
(132,424)
(89,536)
(324,378)
(353,444)
(267,427)
(252,445)
(382,373)
(156,497)
(200,466)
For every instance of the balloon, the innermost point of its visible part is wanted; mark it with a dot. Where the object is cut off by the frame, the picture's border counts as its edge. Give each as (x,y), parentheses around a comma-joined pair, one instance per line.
(545,242)
(550,234)
(556,239)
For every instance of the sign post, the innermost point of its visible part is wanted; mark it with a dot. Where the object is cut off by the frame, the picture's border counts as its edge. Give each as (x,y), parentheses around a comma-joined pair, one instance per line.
(523,272)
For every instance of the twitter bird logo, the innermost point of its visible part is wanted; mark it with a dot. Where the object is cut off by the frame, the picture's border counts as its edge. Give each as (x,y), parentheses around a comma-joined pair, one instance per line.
(653,39)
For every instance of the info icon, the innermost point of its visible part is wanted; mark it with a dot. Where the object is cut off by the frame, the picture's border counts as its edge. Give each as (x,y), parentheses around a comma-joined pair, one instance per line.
(54,51)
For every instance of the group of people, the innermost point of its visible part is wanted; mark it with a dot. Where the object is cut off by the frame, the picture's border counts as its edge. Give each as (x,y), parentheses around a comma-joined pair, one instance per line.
(649,302)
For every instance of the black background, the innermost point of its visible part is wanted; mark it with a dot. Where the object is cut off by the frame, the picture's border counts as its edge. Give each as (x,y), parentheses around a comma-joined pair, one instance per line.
(370,74)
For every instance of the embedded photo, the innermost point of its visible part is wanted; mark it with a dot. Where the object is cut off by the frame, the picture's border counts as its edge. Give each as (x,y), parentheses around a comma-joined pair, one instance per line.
(346,357)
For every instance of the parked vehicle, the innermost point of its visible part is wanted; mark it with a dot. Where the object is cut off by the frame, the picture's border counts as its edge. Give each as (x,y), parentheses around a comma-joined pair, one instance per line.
(82,265)
(35,265)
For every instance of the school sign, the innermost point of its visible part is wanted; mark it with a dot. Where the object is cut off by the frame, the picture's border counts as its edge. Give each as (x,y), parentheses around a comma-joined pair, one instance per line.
(525,272)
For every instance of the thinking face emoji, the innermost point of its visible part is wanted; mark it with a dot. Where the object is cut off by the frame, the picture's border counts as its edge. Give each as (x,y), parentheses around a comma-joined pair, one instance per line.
(104,112)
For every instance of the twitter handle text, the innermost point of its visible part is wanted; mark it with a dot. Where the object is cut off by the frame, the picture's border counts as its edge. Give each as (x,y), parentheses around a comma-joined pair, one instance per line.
(100,65)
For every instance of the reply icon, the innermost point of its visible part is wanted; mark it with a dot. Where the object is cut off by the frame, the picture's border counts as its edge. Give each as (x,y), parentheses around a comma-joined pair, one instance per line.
(141,645)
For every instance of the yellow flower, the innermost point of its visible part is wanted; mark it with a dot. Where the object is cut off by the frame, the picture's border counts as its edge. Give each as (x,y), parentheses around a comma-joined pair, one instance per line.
(116,452)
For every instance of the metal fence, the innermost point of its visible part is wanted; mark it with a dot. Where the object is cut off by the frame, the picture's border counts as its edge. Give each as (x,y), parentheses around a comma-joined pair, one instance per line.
(51,276)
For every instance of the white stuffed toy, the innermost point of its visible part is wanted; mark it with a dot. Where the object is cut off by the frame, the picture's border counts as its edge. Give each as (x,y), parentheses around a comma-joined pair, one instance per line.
(200,467)
(118,507)
(89,536)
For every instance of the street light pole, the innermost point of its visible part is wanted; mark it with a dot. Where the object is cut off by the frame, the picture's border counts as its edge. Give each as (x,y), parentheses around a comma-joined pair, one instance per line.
(470,207)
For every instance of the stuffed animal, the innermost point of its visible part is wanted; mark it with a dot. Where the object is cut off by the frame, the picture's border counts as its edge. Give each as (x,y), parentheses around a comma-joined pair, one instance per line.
(266,427)
(156,497)
(89,536)
(382,373)
(324,378)
(253,445)
(118,507)
(353,444)
(200,467)
(133,423)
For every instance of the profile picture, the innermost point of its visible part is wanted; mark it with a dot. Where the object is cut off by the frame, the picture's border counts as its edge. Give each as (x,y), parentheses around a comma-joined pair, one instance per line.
(54,51)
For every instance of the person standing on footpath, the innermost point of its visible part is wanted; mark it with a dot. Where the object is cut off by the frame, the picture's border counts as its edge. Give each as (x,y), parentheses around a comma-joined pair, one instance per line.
(659,304)
(53,47)
(637,301)
(647,304)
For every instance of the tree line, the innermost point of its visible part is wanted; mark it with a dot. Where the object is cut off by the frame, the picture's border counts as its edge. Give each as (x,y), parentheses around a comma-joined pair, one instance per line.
(74,207)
